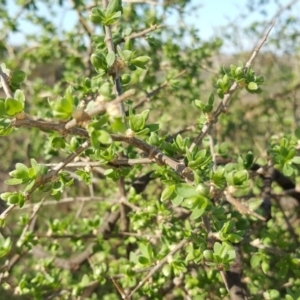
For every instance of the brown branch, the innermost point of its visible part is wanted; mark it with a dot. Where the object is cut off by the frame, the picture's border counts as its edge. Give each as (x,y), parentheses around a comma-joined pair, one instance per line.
(142,33)
(99,109)
(116,72)
(233,276)
(5,85)
(241,207)
(157,155)
(268,175)
(48,125)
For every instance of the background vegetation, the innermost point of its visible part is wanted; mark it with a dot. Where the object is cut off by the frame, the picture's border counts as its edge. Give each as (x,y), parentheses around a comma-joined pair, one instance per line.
(139,161)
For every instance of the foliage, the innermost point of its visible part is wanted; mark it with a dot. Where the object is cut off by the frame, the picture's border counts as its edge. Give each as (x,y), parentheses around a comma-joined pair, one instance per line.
(132,170)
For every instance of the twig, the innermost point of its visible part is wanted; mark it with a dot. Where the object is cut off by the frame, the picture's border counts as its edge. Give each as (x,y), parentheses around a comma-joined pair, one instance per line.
(209,124)
(115,74)
(212,151)
(98,109)
(118,162)
(156,90)
(36,209)
(258,244)
(50,175)
(158,266)
(241,207)
(17,15)
(143,32)
(5,85)
(157,155)
(268,175)
(151,2)
(292,231)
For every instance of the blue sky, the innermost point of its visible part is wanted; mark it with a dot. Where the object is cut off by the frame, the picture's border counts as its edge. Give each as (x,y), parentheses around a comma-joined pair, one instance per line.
(208,18)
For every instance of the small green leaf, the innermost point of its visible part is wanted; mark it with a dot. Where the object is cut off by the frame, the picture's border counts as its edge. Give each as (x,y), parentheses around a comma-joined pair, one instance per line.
(197,212)
(218,248)
(13,106)
(288,170)
(140,61)
(98,60)
(272,295)
(168,193)
(97,16)
(110,58)
(252,86)
(296,160)
(13,181)
(185,190)
(113,6)
(18,77)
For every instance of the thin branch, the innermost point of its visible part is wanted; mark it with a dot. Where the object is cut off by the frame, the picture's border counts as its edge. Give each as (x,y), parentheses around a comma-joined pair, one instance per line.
(50,175)
(116,72)
(118,162)
(158,266)
(155,91)
(209,124)
(142,33)
(17,16)
(5,85)
(86,115)
(241,207)
(157,155)
(151,2)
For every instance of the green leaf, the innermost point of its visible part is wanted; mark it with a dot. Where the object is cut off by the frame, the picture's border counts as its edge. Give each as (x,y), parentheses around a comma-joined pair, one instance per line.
(185,190)
(140,61)
(113,6)
(19,95)
(109,20)
(110,58)
(177,200)
(5,246)
(255,260)
(63,106)
(13,106)
(13,181)
(252,86)
(197,212)
(18,77)
(288,170)
(137,122)
(240,177)
(97,16)
(168,193)
(98,60)
(166,270)
(143,260)
(296,160)
(272,295)
(218,248)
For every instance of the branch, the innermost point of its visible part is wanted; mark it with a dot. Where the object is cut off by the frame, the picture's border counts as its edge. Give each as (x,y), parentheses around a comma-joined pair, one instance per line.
(155,91)
(143,32)
(5,85)
(241,207)
(86,115)
(223,105)
(50,175)
(157,155)
(236,288)
(158,266)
